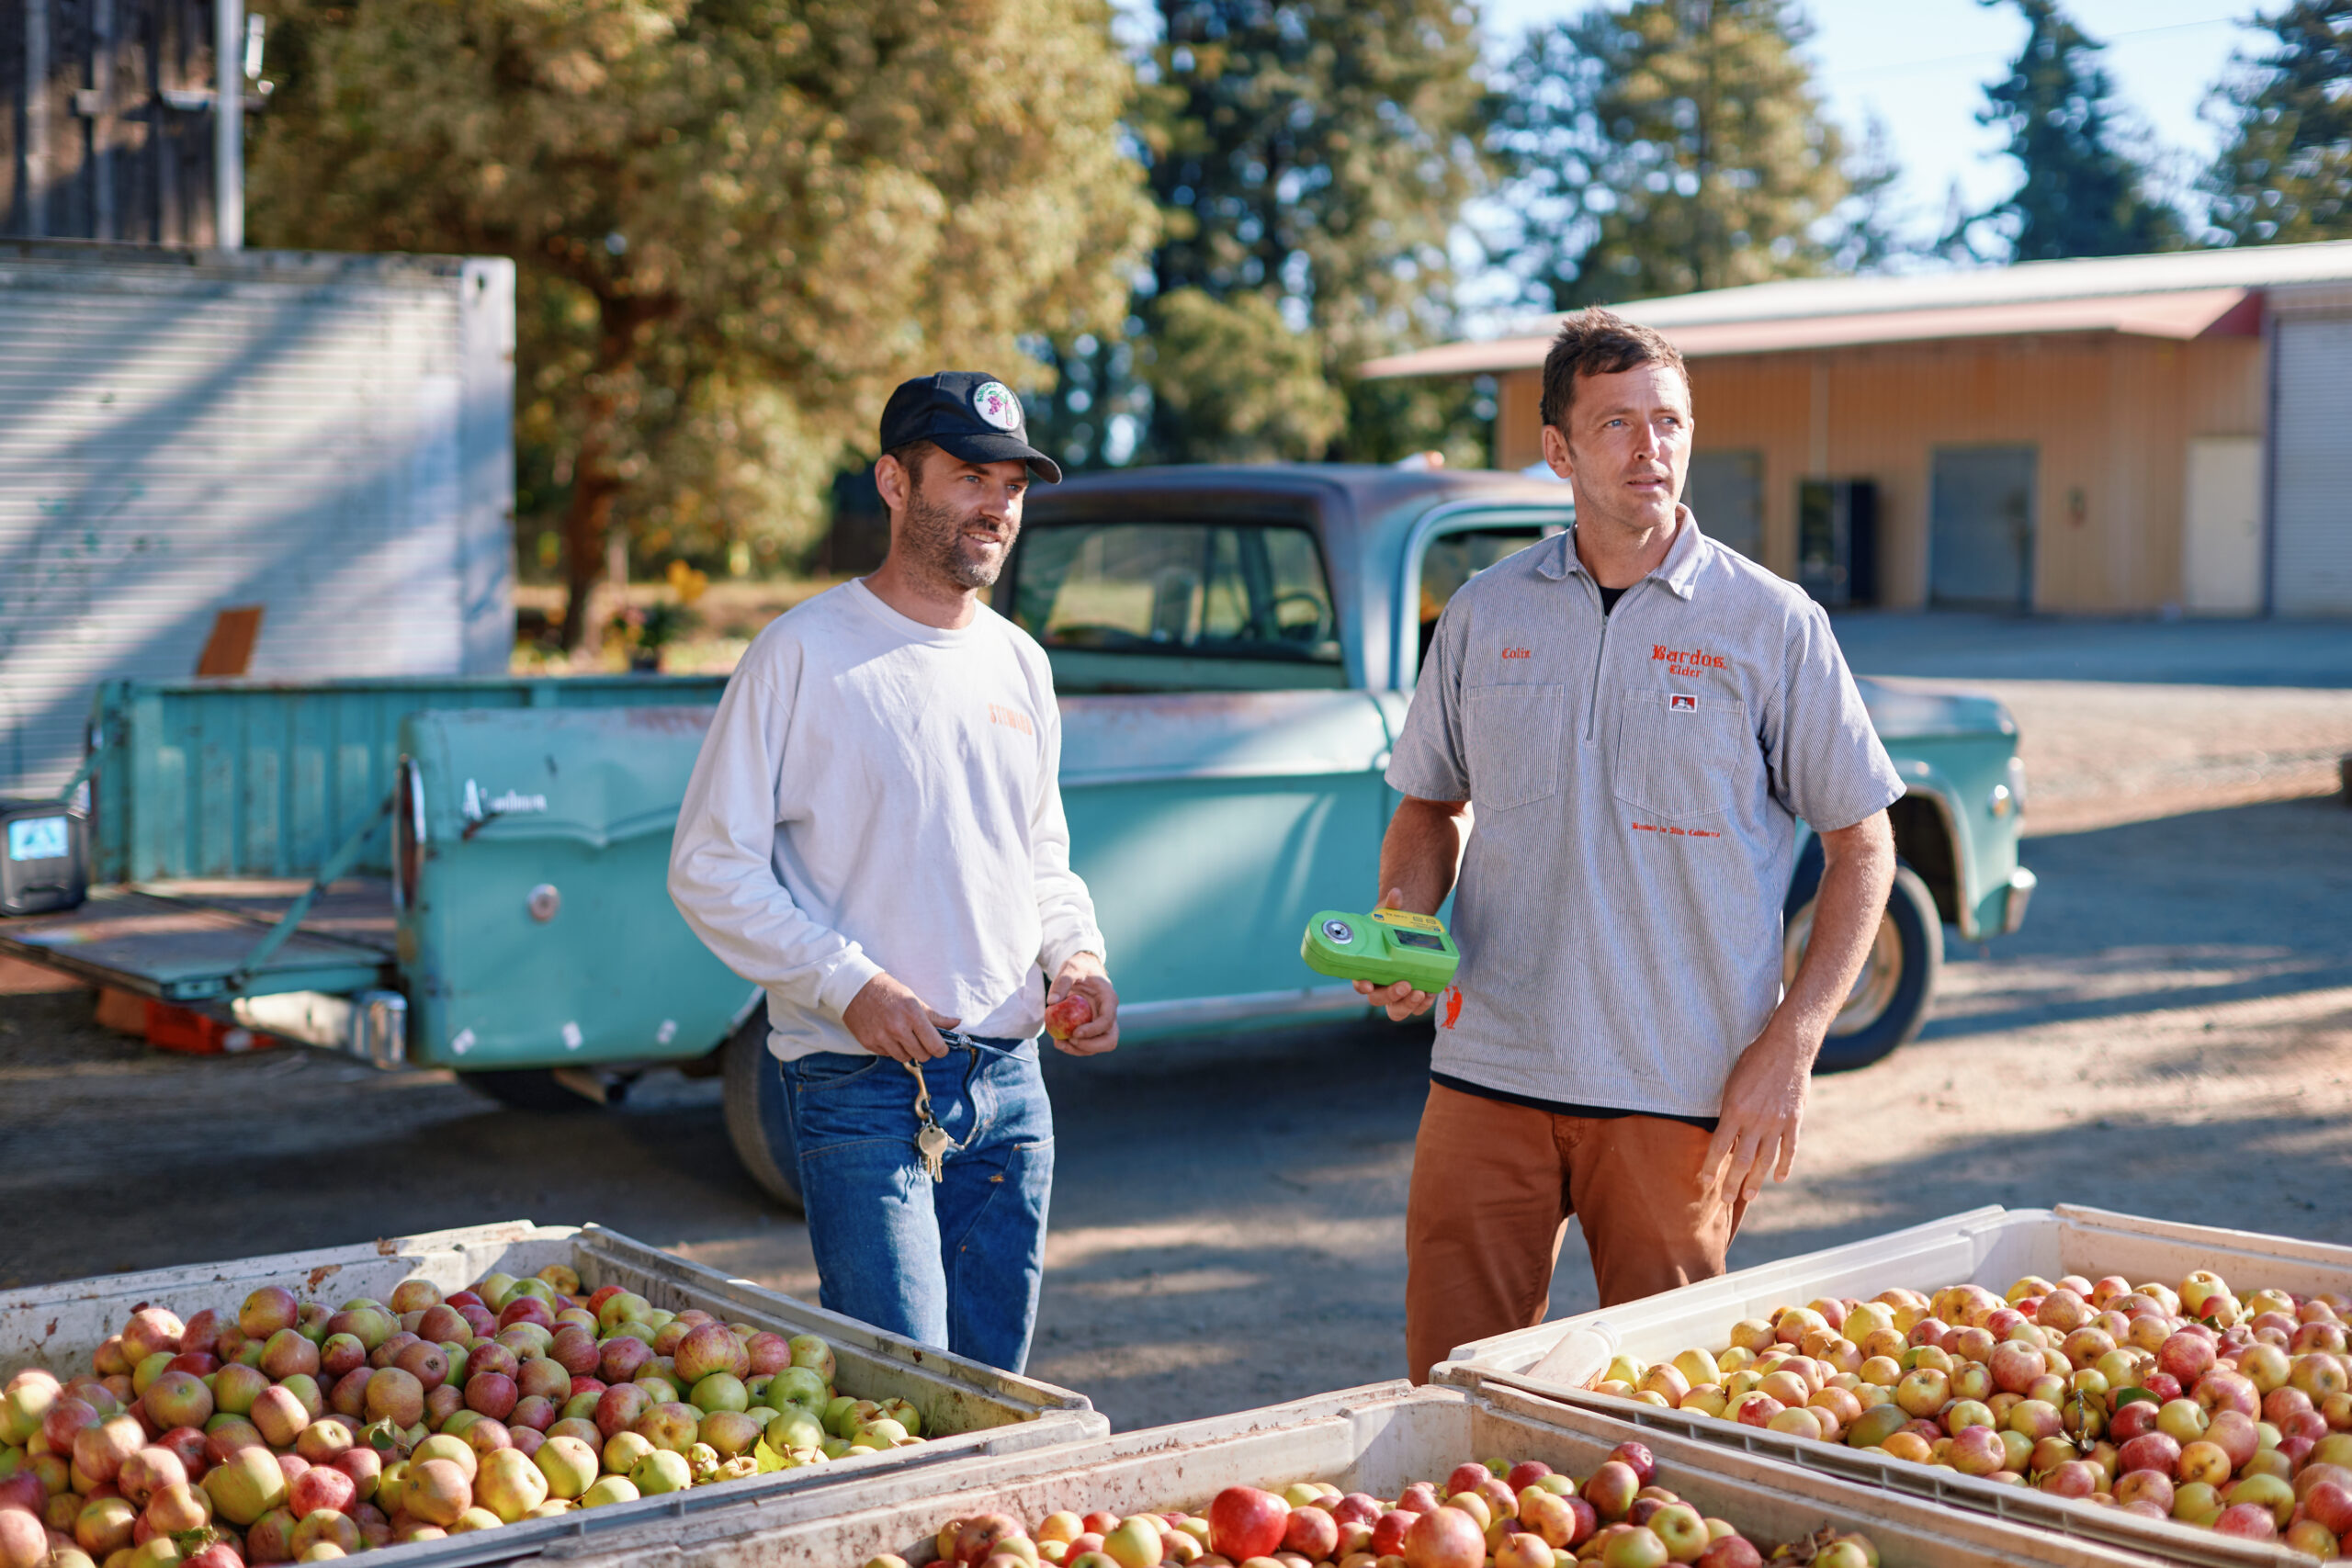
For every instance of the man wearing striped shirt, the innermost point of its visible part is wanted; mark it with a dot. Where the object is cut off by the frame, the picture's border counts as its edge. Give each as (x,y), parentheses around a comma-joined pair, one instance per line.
(1626,722)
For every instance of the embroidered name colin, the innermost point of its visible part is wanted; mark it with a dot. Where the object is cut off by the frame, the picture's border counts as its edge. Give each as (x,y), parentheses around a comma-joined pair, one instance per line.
(1686,661)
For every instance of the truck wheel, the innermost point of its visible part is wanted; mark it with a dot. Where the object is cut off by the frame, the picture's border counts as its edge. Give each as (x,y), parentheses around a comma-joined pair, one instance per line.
(756,1122)
(1892,995)
(528,1089)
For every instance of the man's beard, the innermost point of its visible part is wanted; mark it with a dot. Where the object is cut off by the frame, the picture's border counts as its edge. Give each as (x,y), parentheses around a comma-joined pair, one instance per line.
(934,539)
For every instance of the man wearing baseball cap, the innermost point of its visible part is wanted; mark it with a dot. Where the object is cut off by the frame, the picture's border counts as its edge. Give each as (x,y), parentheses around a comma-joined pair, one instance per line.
(873,833)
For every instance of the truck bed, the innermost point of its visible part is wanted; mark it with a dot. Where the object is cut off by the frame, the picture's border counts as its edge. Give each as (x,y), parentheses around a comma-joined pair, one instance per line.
(181,942)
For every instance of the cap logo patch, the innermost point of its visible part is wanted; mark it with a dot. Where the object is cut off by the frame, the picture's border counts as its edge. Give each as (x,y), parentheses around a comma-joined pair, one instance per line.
(1681,701)
(994,401)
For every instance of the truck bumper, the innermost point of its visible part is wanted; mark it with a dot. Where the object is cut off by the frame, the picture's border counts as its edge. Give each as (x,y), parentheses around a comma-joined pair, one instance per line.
(2021,886)
(370,1025)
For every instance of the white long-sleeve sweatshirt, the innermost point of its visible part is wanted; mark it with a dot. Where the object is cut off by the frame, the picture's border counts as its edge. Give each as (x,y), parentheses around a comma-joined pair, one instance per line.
(876,794)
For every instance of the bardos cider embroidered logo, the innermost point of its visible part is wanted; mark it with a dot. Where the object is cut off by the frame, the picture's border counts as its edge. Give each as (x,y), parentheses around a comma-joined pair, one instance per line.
(994,401)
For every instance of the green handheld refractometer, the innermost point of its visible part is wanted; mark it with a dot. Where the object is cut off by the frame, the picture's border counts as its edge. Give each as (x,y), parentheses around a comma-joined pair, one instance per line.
(1383,947)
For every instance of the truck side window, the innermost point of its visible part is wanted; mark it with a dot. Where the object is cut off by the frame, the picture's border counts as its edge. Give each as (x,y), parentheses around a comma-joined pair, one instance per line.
(1453,559)
(1191,589)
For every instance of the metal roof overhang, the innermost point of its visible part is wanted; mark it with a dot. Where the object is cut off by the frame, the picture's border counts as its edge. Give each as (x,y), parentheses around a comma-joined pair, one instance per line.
(2178,315)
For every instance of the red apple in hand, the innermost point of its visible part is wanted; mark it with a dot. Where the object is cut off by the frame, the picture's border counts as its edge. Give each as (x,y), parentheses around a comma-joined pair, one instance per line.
(1065,1016)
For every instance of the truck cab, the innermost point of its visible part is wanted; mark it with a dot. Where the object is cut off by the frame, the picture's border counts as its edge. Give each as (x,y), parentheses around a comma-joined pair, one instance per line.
(1236,648)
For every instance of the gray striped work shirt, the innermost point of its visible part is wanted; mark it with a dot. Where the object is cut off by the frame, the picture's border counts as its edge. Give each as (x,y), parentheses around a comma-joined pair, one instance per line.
(1635,781)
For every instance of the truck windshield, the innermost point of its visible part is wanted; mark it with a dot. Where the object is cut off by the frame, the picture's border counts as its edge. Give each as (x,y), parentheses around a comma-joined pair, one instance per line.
(1453,559)
(1253,591)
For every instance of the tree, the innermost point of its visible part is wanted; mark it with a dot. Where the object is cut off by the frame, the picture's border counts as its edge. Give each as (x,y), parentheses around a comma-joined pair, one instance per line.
(2287,172)
(1674,145)
(2083,194)
(1311,158)
(736,223)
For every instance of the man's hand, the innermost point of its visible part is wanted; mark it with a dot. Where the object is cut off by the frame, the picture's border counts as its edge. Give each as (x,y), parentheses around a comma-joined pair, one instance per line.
(890,1021)
(1401,1000)
(1764,1097)
(1763,1108)
(1085,975)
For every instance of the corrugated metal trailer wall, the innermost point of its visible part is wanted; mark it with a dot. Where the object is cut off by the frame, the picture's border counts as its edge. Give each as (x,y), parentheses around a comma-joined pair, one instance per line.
(2109,415)
(330,437)
(106,120)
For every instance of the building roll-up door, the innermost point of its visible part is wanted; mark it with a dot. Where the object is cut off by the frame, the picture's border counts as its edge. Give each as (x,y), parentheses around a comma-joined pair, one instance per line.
(2311,551)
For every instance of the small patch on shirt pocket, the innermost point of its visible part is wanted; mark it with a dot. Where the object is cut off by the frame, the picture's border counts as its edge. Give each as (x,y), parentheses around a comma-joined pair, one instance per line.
(1681,762)
(1514,735)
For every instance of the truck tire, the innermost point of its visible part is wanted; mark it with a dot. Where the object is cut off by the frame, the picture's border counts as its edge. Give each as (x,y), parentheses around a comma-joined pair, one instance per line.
(756,1122)
(1898,985)
(528,1089)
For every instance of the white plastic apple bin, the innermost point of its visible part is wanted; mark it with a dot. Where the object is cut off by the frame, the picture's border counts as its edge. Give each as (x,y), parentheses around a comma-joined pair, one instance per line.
(970,1411)
(1990,1247)
(1374,1439)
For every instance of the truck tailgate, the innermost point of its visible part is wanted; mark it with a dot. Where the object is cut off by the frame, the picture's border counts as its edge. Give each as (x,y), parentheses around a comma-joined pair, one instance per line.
(184,942)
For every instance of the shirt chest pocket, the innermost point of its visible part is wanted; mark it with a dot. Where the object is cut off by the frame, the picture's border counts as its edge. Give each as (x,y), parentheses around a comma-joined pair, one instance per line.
(1681,762)
(1514,738)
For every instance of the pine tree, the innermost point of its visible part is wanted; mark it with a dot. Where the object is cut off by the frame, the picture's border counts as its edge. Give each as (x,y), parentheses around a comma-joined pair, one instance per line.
(2083,194)
(1673,146)
(2287,172)
(1310,157)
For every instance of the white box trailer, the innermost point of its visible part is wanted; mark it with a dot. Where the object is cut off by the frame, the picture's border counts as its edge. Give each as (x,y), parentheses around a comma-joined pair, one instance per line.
(330,437)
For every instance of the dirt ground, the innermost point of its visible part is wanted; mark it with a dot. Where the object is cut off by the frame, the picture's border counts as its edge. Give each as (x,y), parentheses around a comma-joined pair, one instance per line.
(2170,1034)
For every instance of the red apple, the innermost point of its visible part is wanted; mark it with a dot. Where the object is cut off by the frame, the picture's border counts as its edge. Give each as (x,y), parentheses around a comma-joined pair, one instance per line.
(1610,1489)
(1245,1522)
(1068,1016)
(1637,1458)
(1525,1474)
(1313,1534)
(2249,1521)
(1731,1552)
(1445,1539)
(1389,1533)
(1466,1477)
(2150,1450)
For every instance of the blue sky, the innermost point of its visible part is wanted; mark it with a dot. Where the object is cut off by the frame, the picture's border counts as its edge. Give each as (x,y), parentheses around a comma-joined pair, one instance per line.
(1921,65)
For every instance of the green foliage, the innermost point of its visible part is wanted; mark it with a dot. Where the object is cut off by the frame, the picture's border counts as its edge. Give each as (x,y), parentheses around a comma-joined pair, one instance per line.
(1670,146)
(737,223)
(2287,172)
(1310,158)
(1242,385)
(2083,195)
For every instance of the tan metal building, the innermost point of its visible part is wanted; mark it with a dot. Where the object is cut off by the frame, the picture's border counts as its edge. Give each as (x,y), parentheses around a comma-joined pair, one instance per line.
(2099,436)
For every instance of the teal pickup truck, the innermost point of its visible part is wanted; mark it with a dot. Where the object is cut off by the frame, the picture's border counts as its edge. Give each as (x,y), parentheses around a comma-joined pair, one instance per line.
(469,874)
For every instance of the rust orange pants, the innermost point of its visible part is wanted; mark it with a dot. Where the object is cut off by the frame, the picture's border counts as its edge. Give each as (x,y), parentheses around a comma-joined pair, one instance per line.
(1493,1187)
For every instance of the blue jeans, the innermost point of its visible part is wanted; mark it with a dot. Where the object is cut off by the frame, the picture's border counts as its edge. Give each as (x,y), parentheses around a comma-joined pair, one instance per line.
(956,1264)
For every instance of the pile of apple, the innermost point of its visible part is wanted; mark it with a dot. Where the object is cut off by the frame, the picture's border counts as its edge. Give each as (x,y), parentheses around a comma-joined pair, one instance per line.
(2192,1403)
(290,1432)
(1485,1515)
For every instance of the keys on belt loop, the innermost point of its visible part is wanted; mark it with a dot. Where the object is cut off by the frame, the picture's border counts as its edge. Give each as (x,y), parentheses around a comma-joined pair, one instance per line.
(932,1141)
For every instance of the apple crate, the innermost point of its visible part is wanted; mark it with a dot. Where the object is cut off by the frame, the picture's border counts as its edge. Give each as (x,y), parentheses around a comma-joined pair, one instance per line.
(1990,1247)
(1375,1439)
(970,1411)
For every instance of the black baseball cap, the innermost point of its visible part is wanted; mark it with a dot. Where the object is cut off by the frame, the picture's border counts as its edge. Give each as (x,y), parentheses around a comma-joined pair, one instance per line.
(969,414)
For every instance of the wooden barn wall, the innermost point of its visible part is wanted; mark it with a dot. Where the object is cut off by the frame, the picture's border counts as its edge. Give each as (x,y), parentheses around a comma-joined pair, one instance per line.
(2110,417)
